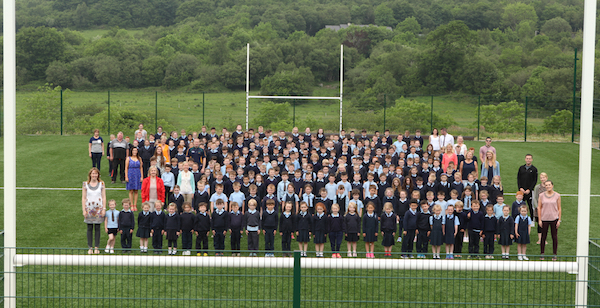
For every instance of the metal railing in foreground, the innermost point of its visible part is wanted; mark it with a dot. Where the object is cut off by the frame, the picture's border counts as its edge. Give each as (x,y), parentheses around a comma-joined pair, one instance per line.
(57,277)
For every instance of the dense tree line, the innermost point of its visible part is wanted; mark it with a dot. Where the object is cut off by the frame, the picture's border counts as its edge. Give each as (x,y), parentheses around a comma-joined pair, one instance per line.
(493,48)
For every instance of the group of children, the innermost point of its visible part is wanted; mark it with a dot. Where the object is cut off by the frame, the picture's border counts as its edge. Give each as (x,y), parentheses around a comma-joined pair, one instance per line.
(310,187)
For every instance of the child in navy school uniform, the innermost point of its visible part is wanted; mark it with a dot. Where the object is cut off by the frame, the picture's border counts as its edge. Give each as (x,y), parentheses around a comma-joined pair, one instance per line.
(201,228)
(126,225)
(235,227)
(373,198)
(423,230)
(336,230)
(450,231)
(187,228)
(219,225)
(370,226)
(144,224)
(475,218)
(177,198)
(410,228)
(172,228)
(490,225)
(320,228)
(352,228)
(251,223)
(523,225)
(461,215)
(323,199)
(290,195)
(506,231)
(252,195)
(269,221)
(436,223)
(517,204)
(286,227)
(157,226)
(304,228)
(201,195)
(388,228)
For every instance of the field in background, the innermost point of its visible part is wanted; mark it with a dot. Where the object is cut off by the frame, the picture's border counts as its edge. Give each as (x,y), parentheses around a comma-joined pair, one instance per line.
(52,218)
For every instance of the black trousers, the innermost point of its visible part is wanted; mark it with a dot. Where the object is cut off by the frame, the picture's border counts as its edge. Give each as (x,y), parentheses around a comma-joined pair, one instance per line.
(408,241)
(219,240)
(252,240)
(488,243)
(335,239)
(422,241)
(269,239)
(91,228)
(235,239)
(286,241)
(126,239)
(145,167)
(119,164)
(458,241)
(186,240)
(157,239)
(473,242)
(96,159)
(202,242)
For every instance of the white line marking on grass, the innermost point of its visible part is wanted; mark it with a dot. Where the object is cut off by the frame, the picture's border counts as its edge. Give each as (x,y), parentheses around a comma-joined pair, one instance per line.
(123,189)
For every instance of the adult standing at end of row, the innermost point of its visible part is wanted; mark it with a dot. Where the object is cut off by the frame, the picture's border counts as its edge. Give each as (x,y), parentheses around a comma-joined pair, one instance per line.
(96,149)
(118,154)
(93,204)
(527,179)
(550,215)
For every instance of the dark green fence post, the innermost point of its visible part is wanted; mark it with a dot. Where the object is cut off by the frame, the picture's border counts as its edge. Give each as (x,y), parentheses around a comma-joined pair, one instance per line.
(202,108)
(574,95)
(478,116)
(431,116)
(156,111)
(384,109)
(294,113)
(109,112)
(526,103)
(61,112)
(297,279)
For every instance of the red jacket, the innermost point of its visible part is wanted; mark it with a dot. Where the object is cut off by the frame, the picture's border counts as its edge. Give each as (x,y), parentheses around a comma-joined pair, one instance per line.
(160,189)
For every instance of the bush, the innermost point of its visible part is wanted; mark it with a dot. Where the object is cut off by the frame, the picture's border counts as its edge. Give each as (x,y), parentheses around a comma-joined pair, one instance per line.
(561,122)
(506,117)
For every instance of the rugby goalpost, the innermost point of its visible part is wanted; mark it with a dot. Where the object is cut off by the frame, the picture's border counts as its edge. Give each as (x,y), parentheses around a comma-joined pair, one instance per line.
(248,96)
(12,260)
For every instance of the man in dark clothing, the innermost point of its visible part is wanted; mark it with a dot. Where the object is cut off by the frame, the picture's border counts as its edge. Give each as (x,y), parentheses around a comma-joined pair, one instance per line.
(527,179)
(118,153)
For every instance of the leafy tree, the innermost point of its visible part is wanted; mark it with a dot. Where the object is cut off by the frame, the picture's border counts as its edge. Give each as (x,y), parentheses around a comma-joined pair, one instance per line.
(153,71)
(556,29)
(274,116)
(412,115)
(59,73)
(410,24)
(447,48)
(515,13)
(107,71)
(37,48)
(288,80)
(506,117)
(384,16)
(180,71)
(561,122)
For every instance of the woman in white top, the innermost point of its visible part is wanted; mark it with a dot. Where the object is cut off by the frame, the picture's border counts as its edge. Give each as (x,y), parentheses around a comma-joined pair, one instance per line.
(93,204)
(434,139)
(460,148)
(186,183)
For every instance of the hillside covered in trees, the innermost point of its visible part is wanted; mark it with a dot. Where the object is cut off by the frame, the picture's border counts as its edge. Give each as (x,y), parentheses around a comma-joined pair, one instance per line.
(500,48)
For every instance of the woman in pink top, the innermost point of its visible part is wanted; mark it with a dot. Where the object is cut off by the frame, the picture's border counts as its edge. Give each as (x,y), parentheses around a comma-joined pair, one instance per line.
(549,215)
(449,156)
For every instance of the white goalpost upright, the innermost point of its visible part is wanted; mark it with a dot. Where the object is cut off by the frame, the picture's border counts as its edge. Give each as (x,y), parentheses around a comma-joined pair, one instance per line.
(10,152)
(248,96)
(585,151)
